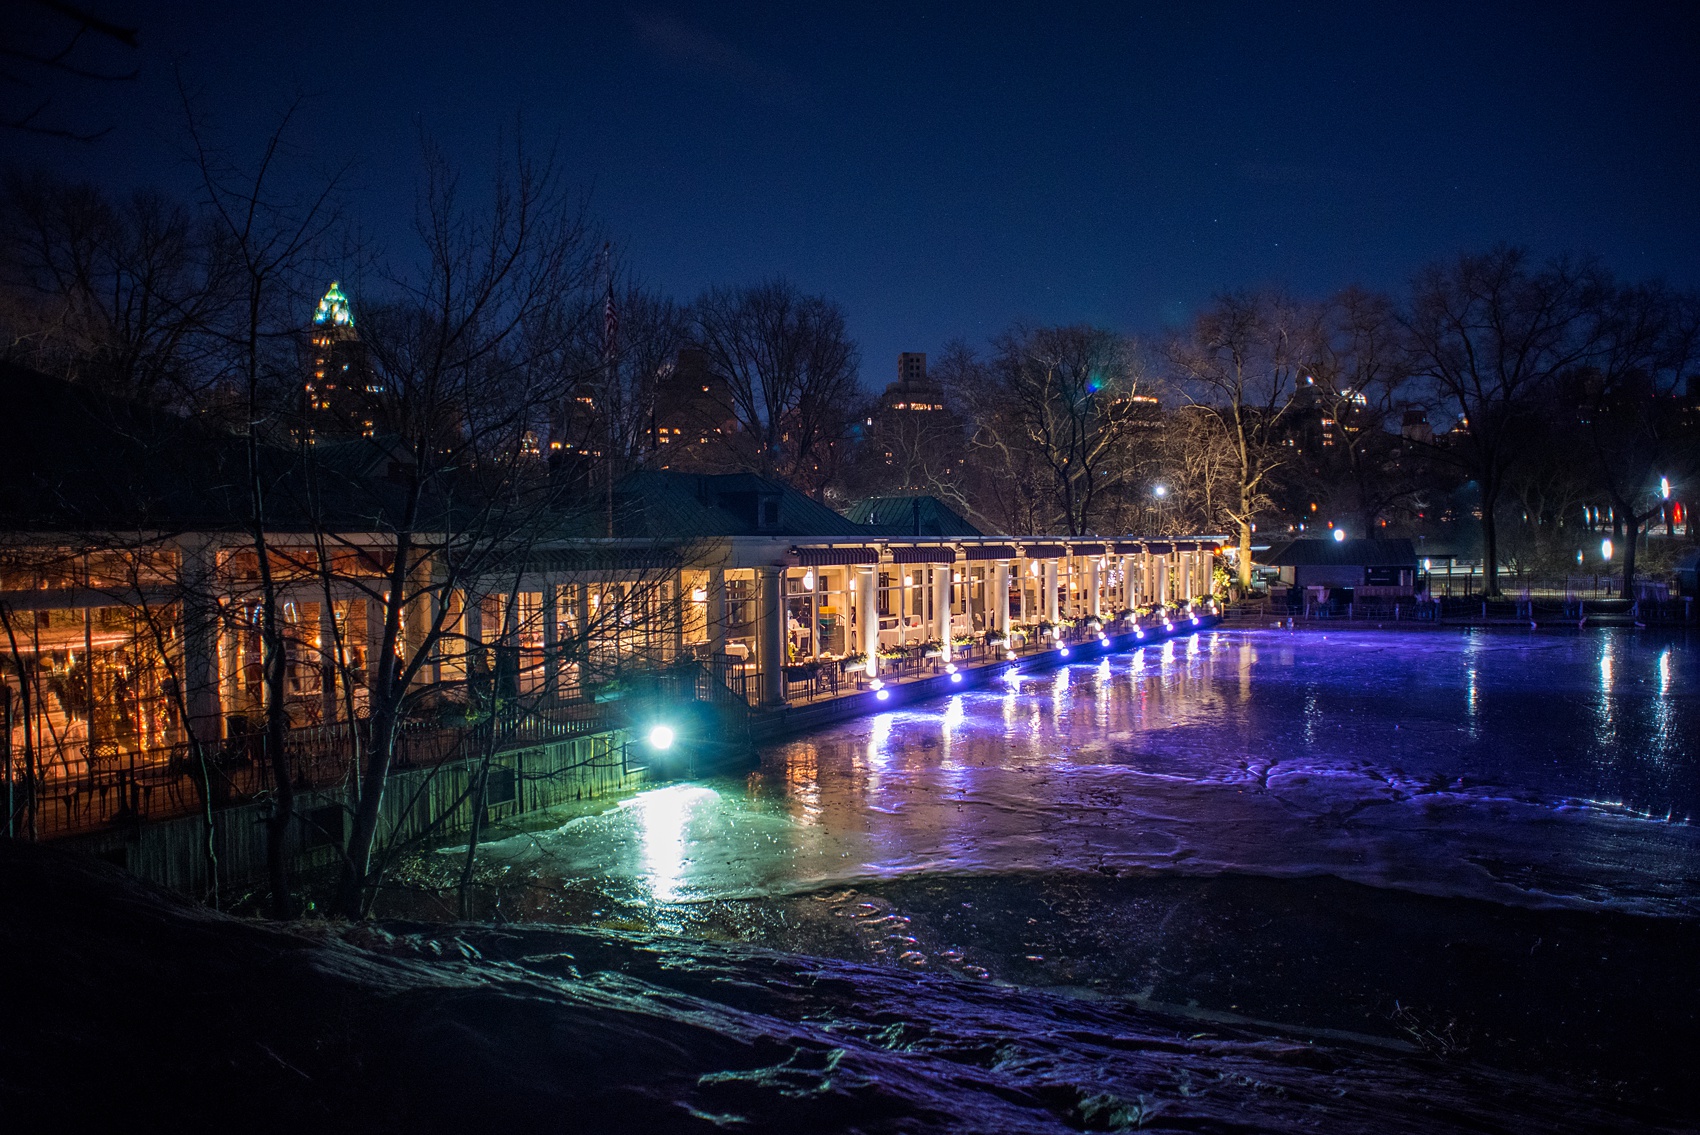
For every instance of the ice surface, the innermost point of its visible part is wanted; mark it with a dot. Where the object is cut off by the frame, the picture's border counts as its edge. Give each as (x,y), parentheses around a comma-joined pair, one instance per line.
(1538,770)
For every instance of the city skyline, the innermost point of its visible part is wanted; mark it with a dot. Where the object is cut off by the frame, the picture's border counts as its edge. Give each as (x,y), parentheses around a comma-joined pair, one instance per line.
(944,175)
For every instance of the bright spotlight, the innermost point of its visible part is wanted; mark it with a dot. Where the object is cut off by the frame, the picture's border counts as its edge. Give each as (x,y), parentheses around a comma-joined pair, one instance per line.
(1339,535)
(955,677)
(1605,549)
(1138,634)
(661,737)
(1063,650)
(950,667)
(877,684)
(1009,654)
(883,695)
(1105,639)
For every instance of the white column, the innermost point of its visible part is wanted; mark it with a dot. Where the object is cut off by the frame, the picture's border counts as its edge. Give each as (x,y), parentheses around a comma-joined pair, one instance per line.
(549,612)
(1049,576)
(1094,606)
(1129,589)
(867,614)
(770,634)
(716,611)
(1000,596)
(941,605)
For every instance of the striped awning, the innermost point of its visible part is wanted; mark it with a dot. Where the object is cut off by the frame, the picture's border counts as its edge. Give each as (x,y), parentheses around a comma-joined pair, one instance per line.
(990,552)
(1129,549)
(925,554)
(1086,549)
(831,557)
(1043,551)
(1160,549)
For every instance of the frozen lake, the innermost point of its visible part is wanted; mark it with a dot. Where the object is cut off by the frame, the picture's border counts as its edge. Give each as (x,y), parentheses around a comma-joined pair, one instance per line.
(1476,846)
(1543,770)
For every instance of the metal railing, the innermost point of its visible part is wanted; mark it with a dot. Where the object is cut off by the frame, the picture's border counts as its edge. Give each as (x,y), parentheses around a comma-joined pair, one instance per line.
(127,787)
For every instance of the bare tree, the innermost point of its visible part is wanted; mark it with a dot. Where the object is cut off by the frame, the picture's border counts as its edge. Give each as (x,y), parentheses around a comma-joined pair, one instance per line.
(1067,401)
(1198,472)
(48,42)
(789,372)
(1355,382)
(468,356)
(272,238)
(616,358)
(121,295)
(1645,340)
(1241,363)
(1490,334)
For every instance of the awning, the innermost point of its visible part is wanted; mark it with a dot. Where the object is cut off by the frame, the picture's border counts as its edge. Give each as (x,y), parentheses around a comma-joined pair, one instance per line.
(1160,549)
(831,557)
(933,554)
(1127,549)
(990,552)
(1044,551)
(1086,549)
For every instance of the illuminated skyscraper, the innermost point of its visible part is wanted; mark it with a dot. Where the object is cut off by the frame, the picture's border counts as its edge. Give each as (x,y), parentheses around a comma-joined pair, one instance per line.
(342,396)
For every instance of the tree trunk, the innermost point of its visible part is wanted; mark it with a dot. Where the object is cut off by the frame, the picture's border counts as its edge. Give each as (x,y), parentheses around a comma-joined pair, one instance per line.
(1490,538)
(283,807)
(357,863)
(1633,530)
(471,861)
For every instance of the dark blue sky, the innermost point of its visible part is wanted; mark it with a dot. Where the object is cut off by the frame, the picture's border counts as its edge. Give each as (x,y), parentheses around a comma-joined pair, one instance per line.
(944,171)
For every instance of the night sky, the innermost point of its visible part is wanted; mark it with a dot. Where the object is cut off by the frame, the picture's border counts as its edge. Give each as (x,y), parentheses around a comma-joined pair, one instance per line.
(943,171)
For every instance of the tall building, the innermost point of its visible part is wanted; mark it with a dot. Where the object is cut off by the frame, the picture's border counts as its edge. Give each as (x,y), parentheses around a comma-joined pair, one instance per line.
(342,396)
(912,392)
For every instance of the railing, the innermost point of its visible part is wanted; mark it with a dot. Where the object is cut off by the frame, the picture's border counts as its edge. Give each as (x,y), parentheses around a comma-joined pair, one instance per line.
(115,788)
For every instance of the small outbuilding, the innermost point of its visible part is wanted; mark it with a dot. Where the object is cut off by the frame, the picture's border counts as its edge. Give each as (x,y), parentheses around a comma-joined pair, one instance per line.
(1365,570)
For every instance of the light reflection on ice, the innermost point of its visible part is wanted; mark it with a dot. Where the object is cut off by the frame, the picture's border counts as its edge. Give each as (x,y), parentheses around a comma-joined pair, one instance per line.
(1422,761)
(664,814)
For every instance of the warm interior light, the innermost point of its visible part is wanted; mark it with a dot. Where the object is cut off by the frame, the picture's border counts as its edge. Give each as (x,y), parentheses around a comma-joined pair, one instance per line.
(809,580)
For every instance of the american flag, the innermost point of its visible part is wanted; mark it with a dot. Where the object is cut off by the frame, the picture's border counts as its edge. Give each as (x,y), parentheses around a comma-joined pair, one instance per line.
(610,318)
(610,322)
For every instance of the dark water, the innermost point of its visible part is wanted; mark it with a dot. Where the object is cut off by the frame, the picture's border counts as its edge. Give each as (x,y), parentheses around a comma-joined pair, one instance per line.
(1464,847)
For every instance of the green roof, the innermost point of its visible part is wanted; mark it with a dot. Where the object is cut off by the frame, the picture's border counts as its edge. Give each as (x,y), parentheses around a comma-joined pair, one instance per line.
(666,505)
(911,516)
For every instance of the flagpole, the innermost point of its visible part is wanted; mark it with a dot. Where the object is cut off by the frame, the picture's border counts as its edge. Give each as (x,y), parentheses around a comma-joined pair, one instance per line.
(610,325)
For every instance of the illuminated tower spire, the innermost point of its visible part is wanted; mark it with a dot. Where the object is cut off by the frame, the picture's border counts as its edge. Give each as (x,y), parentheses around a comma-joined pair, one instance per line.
(333,310)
